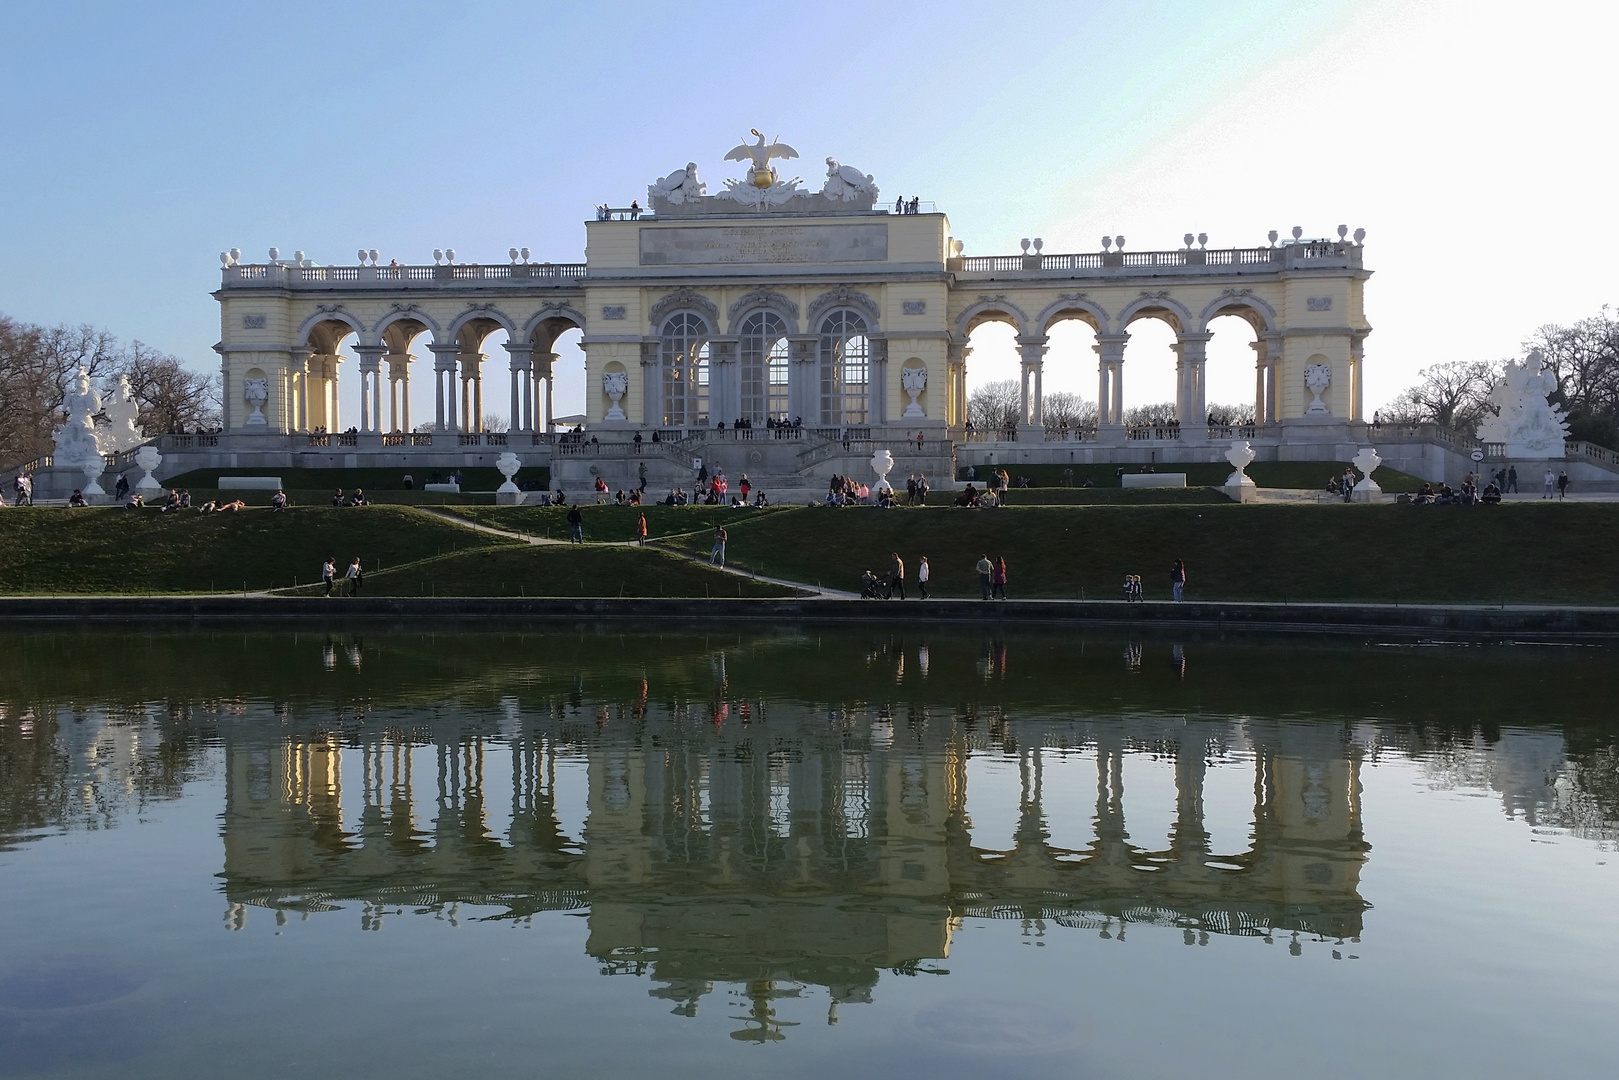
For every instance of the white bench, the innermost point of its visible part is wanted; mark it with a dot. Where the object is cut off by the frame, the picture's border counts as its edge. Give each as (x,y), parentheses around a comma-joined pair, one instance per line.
(453,489)
(250,483)
(1153,479)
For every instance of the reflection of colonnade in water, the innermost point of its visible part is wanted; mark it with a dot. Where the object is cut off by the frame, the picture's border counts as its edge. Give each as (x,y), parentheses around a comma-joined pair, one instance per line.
(800,850)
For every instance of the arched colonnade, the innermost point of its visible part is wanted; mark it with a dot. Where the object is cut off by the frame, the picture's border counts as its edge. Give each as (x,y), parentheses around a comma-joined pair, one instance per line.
(1192,336)
(385,351)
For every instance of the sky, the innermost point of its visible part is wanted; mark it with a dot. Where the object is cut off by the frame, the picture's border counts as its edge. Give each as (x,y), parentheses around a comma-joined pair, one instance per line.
(1468,139)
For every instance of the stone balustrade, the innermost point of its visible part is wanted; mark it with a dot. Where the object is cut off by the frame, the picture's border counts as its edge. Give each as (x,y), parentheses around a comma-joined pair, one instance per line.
(394,278)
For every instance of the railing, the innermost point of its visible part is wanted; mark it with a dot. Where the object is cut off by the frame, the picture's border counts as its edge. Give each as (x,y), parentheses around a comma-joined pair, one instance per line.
(1153,433)
(320,440)
(421,438)
(348,438)
(283,275)
(1222,432)
(577,449)
(1071,434)
(625,213)
(1123,263)
(1587,451)
(395,438)
(187,442)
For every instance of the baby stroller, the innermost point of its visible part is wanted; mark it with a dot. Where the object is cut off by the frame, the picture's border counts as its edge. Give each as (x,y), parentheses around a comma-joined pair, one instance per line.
(872,587)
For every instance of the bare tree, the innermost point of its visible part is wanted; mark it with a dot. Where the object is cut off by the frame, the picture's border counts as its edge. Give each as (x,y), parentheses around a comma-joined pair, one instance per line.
(1453,395)
(494,422)
(1139,415)
(1062,407)
(171,397)
(995,405)
(1585,359)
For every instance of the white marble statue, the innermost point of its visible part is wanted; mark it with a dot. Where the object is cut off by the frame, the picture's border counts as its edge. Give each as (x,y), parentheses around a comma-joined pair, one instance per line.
(1241,455)
(747,194)
(761,175)
(615,384)
(1317,377)
(679,186)
(1366,462)
(1525,422)
(148,459)
(76,443)
(847,183)
(121,432)
(913,380)
(257,392)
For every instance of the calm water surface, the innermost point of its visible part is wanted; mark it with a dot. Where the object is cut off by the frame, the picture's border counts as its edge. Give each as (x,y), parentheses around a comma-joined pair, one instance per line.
(854,853)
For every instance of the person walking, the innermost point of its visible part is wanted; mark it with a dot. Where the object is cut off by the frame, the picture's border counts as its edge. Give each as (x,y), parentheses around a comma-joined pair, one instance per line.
(576,526)
(1562,485)
(354,577)
(716,554)
(640,529)
(328,574)
(1177,579)
(896,575)
(922,577)
(997,579)
(986,569)
(1549,482)
(1512,479)
(641,471)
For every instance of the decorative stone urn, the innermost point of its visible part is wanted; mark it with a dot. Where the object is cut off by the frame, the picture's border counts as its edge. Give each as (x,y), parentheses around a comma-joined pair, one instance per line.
(1241,455)
(914,380)
(508,493)
(1317,377)
(257,392)
(148,459)
(616,384)
(1366,460)
(882,463)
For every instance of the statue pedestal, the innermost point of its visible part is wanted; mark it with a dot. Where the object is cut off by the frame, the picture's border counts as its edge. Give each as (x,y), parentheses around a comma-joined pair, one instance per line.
(1367,491)
(509,498)
(1241,493)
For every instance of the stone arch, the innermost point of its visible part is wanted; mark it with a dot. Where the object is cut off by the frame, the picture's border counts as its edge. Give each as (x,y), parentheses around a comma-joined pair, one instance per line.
(683,300)
(333,314)
(986,310)
(844,297)
(1073,306)
(762,300)
(402,312)
(550,317)
(1242,303)
(1156,305)
(480,312)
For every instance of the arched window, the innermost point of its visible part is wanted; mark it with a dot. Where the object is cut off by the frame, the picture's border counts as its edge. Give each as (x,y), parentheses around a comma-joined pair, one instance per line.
(762,353)
(685,371)
(845,369)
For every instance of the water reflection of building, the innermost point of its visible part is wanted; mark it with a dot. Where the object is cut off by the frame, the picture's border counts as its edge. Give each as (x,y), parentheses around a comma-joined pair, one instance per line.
(799,851)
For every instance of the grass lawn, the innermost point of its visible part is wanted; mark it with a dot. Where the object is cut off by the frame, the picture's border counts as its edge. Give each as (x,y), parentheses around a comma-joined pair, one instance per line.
(1277,474)
(611,523)
(1514,553)
(525,570)
(54,550)
(1097,496)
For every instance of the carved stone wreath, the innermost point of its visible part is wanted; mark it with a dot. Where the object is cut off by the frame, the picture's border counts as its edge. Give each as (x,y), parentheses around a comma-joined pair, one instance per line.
(768,300)
(844,297)
(684,300)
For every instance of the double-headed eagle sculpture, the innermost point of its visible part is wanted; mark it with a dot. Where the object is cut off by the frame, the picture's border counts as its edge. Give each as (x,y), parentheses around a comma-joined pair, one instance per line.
(761,175)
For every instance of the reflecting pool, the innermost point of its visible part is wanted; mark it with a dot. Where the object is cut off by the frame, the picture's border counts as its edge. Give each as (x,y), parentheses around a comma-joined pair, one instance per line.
(859,852)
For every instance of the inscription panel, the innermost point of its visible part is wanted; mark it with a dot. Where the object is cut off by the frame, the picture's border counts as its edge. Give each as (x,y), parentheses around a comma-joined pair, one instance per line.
(754,244)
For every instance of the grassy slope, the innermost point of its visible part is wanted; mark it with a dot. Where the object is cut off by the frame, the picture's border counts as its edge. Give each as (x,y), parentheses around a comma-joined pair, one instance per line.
(49,549)
(1278,474)
(522,570)
(1515,553)
(609,523)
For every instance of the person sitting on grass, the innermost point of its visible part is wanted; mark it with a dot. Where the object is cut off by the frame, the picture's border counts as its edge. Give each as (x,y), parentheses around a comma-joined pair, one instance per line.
(1491,495)
(185,498)
(77,498)
(234,504)
(136,501)
(338,497)
(208,507)
(560,499)
(968,496)
(759,499)
(278,501)
(359,498)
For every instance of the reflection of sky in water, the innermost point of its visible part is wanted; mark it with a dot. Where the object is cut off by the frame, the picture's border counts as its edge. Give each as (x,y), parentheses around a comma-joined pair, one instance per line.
(1131,893)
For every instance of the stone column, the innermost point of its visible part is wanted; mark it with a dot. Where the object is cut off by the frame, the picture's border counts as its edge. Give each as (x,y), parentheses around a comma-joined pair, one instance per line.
(1259,380)
(1110,380)
(1269,349)
(300,391)
(1357,367)
(803,384)
(370,384)
(444,387)
(724,386)
(877,382)
(651,383)
(1032,352)
(547,371)
(1194,413)
(522,364)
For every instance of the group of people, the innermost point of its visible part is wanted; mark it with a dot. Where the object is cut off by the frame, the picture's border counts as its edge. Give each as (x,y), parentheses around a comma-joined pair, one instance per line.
(873,587)
(354,498)
(351,581)
(913,205)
